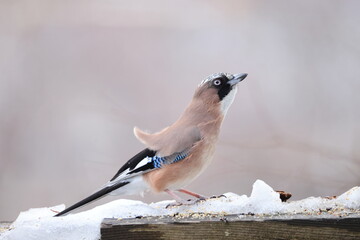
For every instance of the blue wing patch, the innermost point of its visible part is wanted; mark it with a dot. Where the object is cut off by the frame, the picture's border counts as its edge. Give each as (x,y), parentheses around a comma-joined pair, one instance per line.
(146,161)
(158,162)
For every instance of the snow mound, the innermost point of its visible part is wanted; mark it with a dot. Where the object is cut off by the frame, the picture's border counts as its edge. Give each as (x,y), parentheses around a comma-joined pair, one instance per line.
(39,223)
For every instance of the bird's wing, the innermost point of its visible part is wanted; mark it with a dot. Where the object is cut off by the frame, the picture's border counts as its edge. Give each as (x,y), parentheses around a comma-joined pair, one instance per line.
(166,147)
(136,164)
(171,140)
(143,162)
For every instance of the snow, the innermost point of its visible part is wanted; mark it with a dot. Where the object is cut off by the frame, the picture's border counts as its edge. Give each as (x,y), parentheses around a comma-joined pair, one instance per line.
(39,224)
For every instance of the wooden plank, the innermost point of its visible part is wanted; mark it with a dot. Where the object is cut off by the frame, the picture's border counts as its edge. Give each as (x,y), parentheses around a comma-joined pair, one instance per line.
(232,227)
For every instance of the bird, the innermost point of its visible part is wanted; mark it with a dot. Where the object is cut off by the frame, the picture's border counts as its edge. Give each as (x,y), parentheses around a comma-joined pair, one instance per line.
(179,153)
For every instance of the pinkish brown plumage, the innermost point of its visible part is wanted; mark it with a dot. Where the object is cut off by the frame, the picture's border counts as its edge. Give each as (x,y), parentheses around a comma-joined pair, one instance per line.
(198,127)
(176,155)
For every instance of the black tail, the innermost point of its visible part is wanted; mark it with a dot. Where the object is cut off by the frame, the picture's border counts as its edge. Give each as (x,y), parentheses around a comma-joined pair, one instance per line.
(94,196)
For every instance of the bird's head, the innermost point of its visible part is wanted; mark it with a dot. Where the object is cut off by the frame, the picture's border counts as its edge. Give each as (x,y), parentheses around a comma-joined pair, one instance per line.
(219,88)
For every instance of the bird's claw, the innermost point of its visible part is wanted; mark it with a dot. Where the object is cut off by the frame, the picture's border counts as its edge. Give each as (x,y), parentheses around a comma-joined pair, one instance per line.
(219,196)
(185,202)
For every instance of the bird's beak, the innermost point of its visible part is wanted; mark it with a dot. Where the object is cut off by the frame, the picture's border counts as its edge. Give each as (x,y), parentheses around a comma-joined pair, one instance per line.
(237,78)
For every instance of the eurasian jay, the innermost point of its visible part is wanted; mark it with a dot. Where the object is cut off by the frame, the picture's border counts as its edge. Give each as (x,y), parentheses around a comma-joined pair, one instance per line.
(176,155)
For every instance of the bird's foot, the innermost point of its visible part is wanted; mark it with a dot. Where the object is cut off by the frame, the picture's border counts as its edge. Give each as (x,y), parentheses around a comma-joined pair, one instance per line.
(219,196)
(183,202)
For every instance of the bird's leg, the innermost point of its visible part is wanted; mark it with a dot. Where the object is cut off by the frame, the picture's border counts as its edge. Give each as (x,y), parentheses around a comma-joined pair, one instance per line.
(179,200)
(200,197)
(176,197)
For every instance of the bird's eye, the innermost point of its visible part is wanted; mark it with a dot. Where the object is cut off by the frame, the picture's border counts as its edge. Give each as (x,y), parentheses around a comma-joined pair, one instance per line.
(217,82)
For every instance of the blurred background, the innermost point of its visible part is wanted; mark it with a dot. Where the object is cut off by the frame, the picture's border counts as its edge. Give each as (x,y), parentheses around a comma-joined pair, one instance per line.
(77,76)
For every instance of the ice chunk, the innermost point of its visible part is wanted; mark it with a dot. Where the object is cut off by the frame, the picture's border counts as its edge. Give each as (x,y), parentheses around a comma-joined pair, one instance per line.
(351,198)
(264,199)
(40,225)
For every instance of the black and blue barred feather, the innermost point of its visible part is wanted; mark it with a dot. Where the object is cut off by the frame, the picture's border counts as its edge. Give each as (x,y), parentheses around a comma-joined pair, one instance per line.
(158,162)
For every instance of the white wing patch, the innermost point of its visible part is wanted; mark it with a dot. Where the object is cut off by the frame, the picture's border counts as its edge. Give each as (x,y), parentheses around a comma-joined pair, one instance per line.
(125,174)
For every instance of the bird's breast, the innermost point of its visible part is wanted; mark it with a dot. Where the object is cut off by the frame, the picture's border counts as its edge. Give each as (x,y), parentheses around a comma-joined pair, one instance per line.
(181,173)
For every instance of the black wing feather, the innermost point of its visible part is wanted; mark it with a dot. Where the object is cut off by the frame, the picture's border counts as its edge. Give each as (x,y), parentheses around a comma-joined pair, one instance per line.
(129,165)
(133,162)
(93,197)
